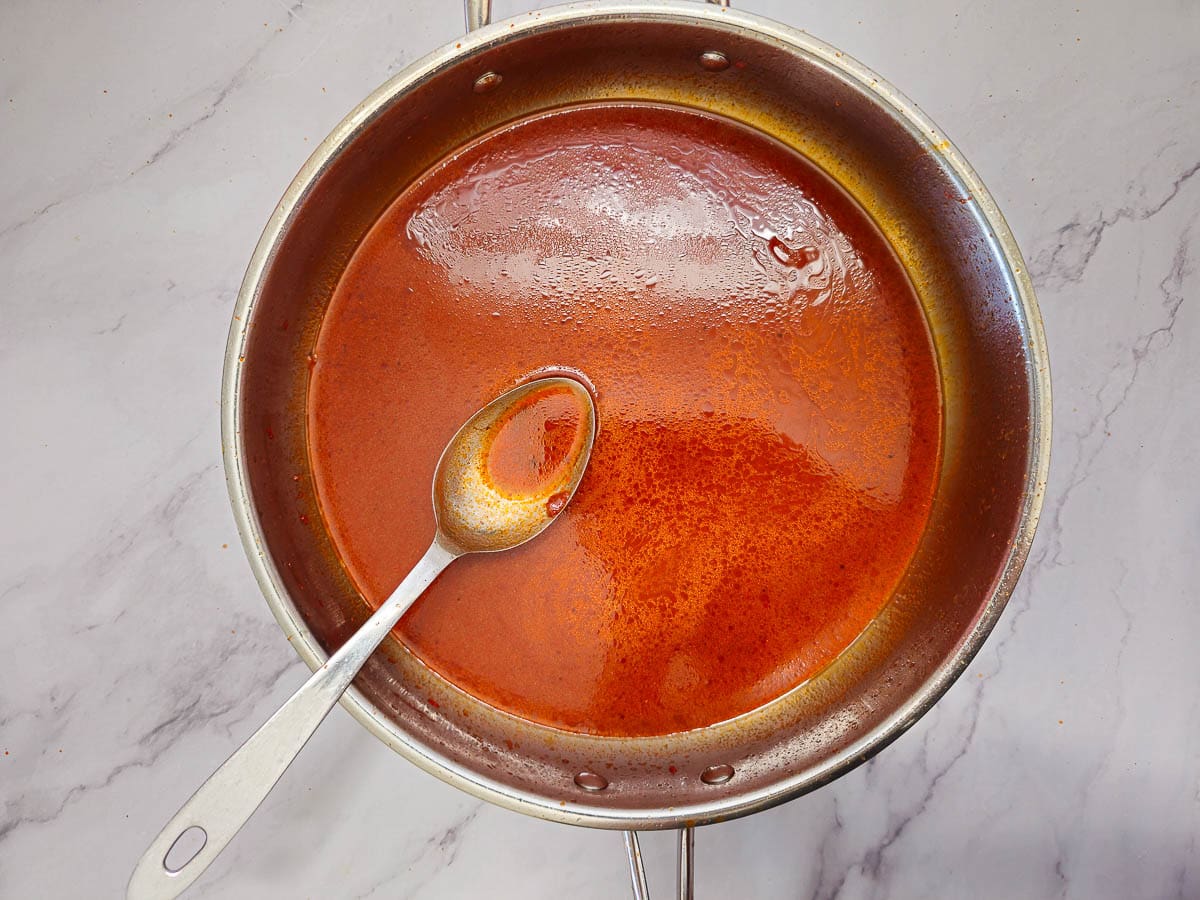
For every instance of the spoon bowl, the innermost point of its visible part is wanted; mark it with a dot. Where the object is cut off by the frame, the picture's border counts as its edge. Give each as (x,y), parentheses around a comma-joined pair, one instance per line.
(514,465)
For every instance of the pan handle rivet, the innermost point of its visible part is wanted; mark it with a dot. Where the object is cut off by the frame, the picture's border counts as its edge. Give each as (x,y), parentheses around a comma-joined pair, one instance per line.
(590,781)
(714,60)
(488,81)
(717,774)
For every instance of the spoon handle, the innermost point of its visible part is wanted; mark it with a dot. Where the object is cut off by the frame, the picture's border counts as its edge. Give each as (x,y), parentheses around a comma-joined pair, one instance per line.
(224,803)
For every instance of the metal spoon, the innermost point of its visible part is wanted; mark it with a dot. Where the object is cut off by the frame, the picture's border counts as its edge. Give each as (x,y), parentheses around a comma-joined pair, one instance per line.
(473,516)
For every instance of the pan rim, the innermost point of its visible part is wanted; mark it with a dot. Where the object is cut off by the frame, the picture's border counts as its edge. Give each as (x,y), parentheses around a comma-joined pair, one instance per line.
(1038,449)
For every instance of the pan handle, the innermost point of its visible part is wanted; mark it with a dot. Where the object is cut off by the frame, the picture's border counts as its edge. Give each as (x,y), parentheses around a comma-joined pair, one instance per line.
(685,867)
(479,12)
(687,862)
(637,871)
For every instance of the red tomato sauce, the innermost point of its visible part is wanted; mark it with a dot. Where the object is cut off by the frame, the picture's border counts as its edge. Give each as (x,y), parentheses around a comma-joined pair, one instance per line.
(767,398)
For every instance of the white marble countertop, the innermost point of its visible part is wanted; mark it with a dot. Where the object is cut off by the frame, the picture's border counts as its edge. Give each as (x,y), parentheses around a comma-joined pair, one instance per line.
(142,148)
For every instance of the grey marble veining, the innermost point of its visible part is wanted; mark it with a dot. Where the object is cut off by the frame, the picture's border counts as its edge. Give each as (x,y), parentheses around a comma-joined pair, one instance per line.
(143,146)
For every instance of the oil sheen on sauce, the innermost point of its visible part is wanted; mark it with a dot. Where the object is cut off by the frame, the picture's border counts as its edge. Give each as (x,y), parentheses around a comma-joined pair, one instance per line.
(767,398)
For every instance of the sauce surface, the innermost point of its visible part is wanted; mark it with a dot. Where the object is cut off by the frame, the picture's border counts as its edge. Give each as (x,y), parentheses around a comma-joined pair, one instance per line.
(767,398)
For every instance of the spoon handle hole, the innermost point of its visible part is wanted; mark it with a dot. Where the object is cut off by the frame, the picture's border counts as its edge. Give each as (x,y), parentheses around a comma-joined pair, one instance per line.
(185,848)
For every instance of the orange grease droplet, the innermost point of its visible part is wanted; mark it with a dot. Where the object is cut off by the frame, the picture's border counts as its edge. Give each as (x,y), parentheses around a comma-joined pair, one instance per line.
(555,504)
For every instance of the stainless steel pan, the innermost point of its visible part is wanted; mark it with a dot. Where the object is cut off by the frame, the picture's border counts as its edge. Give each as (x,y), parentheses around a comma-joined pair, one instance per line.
(951,238)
